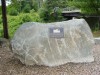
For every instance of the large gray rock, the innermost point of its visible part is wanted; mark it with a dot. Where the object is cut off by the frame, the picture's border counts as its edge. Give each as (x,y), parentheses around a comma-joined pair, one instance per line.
(53,44)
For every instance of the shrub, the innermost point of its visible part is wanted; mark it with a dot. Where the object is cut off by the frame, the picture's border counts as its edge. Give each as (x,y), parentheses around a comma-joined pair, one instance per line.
(25,18)
(1,32)
(35,5)
(32,11)
(50,16)
(0,19)
(57,15)
(96,26)
(13,12)
(14,23)
(44,14)
(27,8)
(0,10)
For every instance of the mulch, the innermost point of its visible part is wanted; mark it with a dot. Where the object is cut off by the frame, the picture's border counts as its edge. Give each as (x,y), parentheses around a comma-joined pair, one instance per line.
(11,66)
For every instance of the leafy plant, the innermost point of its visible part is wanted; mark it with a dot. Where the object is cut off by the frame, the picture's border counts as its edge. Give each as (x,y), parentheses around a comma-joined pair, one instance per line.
(50,15)
(1,32)
(90,7)
(32,11)
(0,10)
(0,19)
(26,18)
(27,8)
(44,14)
(13,12)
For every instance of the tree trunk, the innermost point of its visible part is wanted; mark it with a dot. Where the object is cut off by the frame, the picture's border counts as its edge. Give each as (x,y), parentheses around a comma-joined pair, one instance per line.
(5,27)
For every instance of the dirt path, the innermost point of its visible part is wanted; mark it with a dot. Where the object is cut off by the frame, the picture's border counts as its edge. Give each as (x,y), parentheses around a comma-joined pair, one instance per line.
(12,66)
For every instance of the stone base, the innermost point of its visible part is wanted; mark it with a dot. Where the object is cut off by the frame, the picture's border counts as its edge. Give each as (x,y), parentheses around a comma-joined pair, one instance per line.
(97,41)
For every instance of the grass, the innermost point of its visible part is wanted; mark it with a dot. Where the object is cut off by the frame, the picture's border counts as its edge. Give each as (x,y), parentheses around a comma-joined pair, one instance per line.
(96,33)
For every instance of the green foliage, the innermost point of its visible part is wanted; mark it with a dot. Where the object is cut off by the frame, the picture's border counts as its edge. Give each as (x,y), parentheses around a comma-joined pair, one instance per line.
(1,32)
(16,5)
(0,10)
(1,28)
(32,11)
(57,15)
(12,11)
(51,11)
(27,8)
(97,26)
(35,17)
(35,5)
(25,18)
(45,14)
(55,3)
(14,22)
(50,16)
(0,19)
(26,5)
(87,6)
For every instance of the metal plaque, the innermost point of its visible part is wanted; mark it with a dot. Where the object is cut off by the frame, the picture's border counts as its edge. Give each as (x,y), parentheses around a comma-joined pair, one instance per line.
(56,32)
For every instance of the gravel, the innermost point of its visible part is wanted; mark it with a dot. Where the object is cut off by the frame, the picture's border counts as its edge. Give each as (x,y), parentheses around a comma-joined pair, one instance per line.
(11,66)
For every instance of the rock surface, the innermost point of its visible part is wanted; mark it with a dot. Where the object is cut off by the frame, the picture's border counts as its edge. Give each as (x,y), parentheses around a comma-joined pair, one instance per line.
(4,43)
(33,43)
(97,40)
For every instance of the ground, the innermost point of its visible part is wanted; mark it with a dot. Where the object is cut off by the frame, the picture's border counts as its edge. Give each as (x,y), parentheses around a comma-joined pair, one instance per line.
(11,66)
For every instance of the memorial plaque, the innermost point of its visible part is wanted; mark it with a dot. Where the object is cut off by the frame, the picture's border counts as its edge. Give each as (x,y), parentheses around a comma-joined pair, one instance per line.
(56,32)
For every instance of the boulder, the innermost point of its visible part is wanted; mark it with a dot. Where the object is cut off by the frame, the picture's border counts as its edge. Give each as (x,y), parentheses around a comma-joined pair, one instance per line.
(53,44)
(4,43)
(97,41)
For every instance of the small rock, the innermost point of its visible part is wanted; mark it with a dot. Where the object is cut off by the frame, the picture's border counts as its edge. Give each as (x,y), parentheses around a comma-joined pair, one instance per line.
(97,40)
(4,43)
